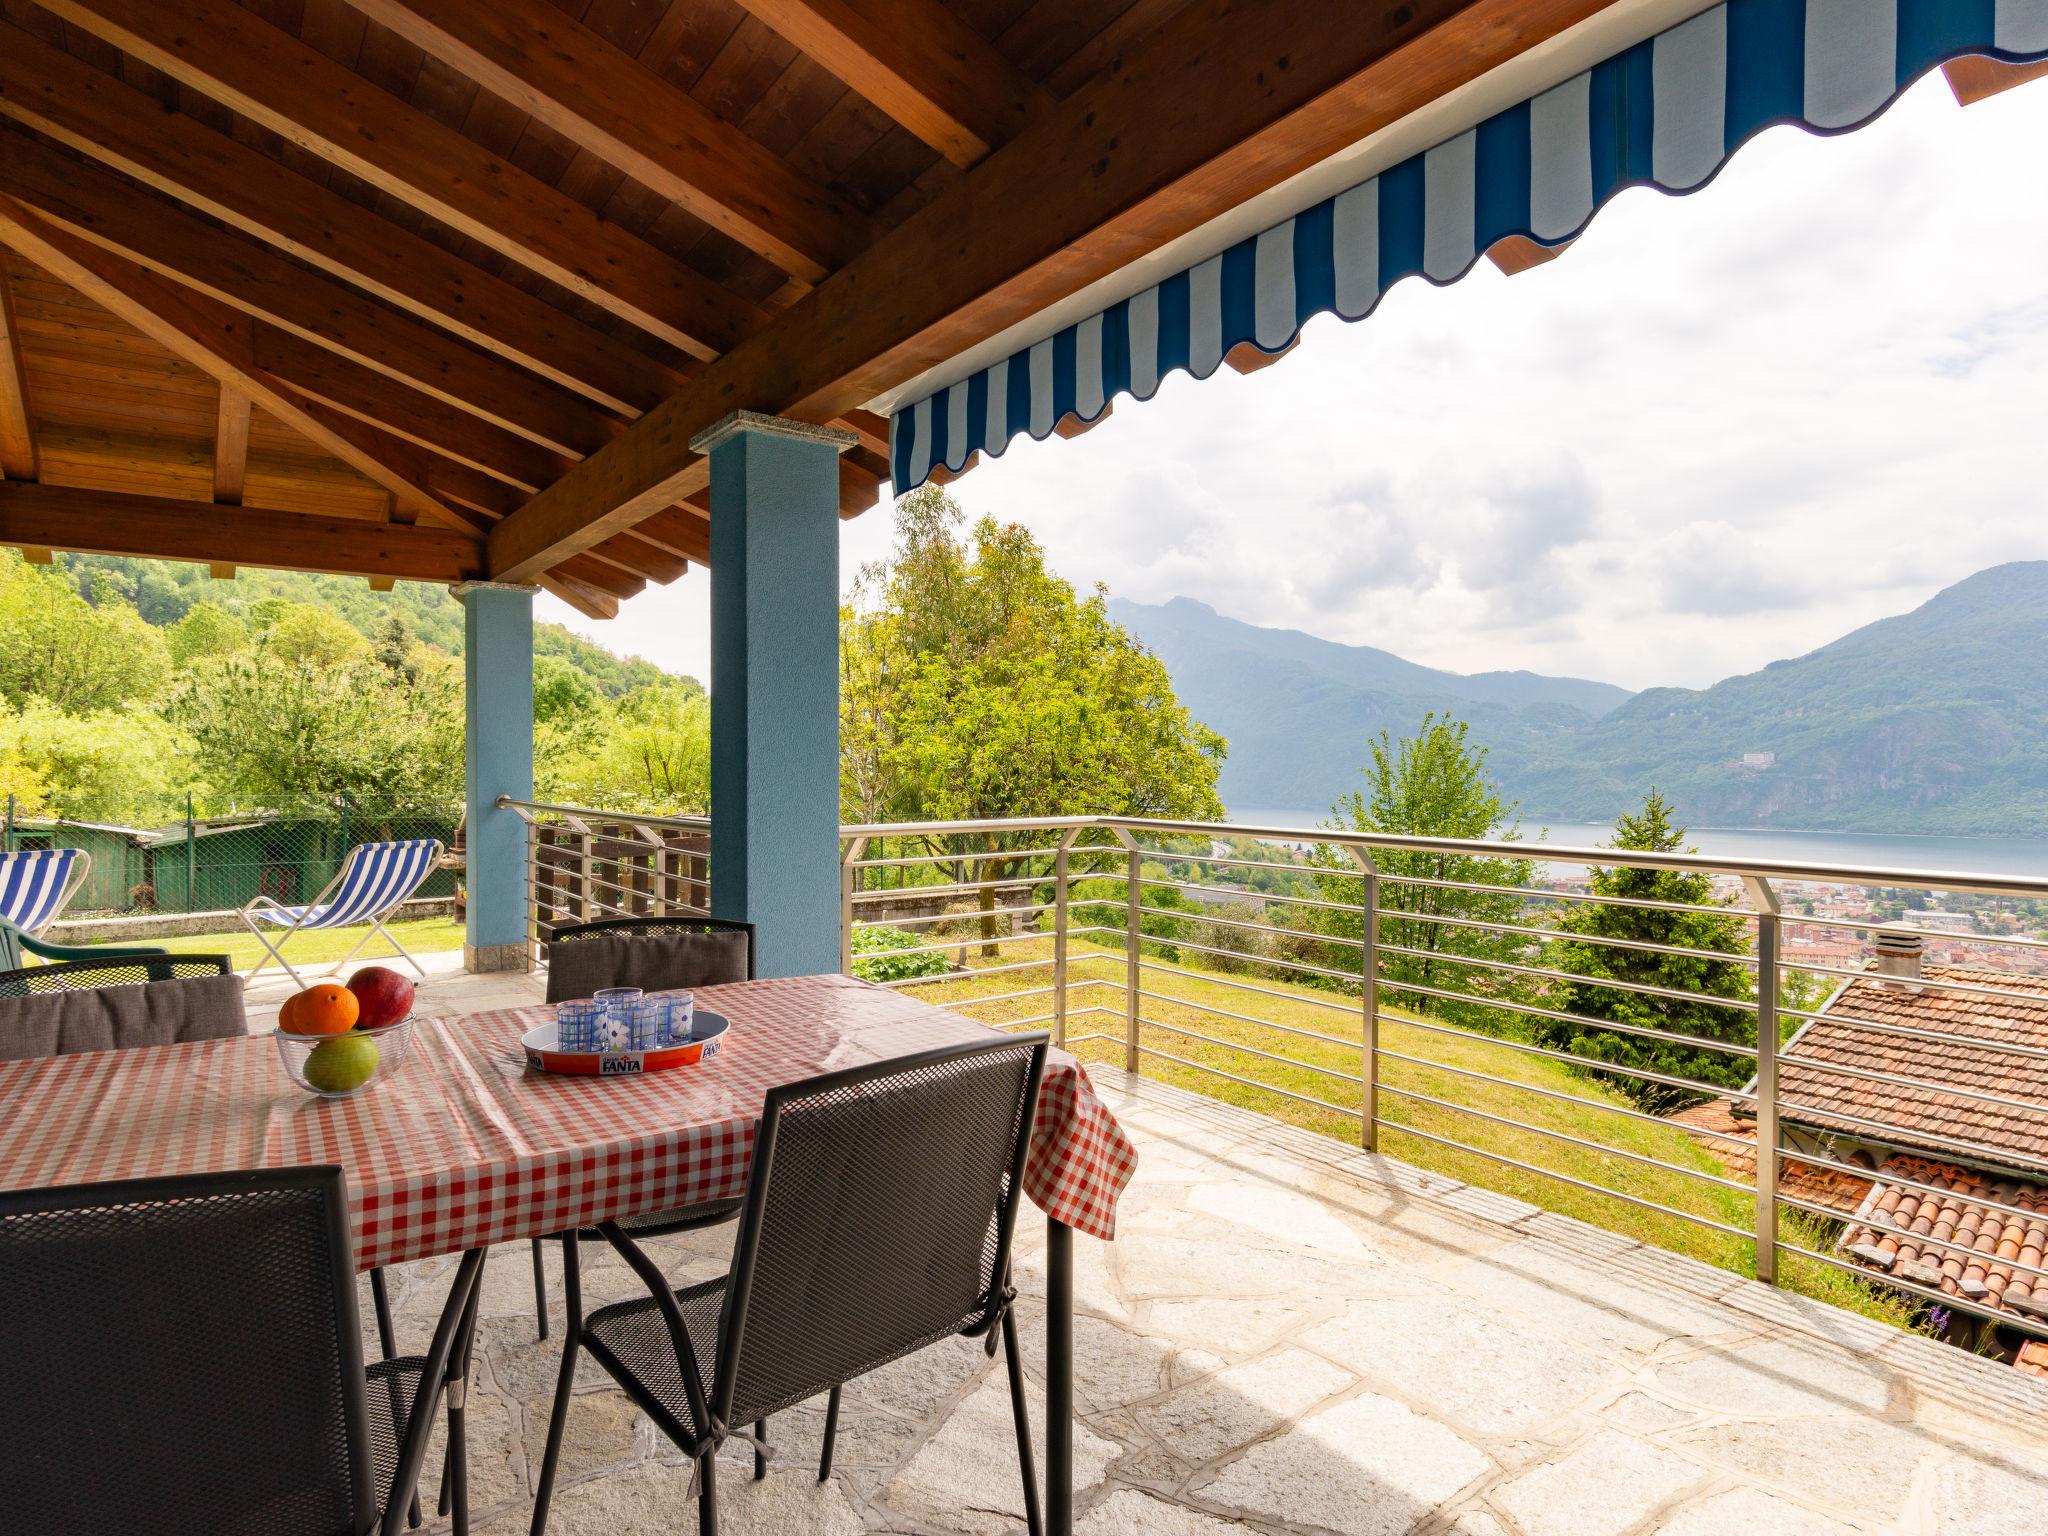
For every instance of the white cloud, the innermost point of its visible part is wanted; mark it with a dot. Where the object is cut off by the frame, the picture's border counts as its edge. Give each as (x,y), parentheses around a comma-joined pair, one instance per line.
(1721,429)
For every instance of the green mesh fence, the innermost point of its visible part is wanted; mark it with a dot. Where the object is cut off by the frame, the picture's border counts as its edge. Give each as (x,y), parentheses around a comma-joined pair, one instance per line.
(217,863)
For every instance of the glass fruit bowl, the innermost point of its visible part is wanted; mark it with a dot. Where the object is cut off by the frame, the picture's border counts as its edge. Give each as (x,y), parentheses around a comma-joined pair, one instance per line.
(343,1065)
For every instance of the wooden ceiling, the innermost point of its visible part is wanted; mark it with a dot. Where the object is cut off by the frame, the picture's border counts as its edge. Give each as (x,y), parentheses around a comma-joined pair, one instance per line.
(440,289)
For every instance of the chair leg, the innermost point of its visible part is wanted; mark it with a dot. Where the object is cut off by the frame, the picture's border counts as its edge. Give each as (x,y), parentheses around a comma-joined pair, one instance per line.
(540,1291)
(761,1450)
(572,1343)
(707,1494)
(831,1434)
(1021,1414)
(455,1463)
(380,1302)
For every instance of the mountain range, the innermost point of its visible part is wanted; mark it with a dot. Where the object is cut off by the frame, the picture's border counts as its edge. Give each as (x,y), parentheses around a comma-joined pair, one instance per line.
(1933,721)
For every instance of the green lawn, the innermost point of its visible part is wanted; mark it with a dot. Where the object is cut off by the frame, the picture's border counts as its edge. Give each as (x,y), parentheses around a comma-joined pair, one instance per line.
(1328,1070)
(321,946)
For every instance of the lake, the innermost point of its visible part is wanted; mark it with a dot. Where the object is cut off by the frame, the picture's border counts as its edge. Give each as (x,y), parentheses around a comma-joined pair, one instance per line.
(1955,855)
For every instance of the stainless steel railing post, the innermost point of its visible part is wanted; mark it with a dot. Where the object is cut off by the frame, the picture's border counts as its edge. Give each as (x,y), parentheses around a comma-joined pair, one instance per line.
(1060,875)
(1369,1000)
(1767,1155)
(1133,890)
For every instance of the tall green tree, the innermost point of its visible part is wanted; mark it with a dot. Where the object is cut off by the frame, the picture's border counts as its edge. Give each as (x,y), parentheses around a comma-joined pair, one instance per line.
(80,656)
(975,684)
(273,729)
(1715,940)
(1432,784)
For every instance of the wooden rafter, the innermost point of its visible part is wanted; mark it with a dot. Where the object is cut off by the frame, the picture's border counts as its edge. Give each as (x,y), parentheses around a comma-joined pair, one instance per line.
(595,95)
(1104,177)
(230,447)
(159,528)
(272,78)
(17,423)
(919,62)
(210,336)
(159,233)
(114,123)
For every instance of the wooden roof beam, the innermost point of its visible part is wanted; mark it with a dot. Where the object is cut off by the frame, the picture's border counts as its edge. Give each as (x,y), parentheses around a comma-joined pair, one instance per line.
(211,337)
(17,423)
(158,233)
(575,83)
(919,62)
(99,116)
(273,79)
(589,601)
(230,447)
(160,528)
(1115,171)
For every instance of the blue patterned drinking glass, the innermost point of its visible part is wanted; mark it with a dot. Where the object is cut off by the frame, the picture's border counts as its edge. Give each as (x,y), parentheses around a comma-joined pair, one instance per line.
(579,1024)
(617,1003)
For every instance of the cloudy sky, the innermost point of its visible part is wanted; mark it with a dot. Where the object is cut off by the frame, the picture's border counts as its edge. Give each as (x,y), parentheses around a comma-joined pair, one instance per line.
(1720,430)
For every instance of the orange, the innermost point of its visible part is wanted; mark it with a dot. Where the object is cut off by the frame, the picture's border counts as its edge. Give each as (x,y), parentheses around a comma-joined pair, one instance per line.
(287,1016)
(326,1009)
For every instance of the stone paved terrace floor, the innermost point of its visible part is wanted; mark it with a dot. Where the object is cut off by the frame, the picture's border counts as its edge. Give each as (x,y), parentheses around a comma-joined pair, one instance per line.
(1290,1336)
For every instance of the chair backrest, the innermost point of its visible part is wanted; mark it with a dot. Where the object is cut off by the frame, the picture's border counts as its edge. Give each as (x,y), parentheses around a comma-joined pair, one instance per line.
(376,878)
(105,1005)
(183,1356)
(878,1219)
(655,954)
(36,882)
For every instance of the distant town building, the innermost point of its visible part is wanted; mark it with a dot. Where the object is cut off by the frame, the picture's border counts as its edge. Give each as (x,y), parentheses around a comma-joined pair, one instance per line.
(1759,759)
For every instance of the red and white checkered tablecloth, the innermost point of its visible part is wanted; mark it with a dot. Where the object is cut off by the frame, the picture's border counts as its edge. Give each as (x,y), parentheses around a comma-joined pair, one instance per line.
(463,1146)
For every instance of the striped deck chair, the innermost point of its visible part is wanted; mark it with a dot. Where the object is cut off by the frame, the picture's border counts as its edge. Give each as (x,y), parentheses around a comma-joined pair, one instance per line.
(38,883)
(375,878)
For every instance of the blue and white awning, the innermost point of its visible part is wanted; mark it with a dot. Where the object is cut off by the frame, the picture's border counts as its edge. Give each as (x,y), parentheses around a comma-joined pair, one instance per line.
(1667,113)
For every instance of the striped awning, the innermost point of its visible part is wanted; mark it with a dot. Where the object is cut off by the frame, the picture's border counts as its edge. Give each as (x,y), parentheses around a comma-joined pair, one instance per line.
(1666,113)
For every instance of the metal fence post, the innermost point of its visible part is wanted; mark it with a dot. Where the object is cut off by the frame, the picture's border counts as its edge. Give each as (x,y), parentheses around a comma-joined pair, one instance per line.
(1133,932)
(1369,999)
(1060,863)
(1767,978)
(191,855)
(855,847)
(9,844)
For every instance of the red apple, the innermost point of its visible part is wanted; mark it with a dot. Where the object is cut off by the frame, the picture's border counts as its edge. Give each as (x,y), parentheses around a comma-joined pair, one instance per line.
(382,995)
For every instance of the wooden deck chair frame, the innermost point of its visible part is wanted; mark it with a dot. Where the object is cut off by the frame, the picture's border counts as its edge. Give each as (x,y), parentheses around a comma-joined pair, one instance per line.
(305,919)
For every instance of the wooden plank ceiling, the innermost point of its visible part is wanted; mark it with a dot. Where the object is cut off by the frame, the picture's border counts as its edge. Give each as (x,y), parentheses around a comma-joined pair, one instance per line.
(440,289)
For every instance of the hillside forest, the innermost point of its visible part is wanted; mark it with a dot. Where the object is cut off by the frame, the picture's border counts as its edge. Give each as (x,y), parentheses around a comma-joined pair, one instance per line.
(975,682)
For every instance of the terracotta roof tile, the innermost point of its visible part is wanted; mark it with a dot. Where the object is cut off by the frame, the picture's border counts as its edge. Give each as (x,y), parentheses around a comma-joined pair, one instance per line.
(1819,1186)
(1813,1096)
(1890,1231)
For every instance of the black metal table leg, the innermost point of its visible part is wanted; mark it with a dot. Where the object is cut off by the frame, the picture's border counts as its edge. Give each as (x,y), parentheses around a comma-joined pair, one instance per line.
(1059,1378)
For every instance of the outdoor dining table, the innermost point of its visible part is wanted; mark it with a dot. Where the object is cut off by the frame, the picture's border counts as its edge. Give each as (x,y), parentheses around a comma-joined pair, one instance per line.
(463,1147)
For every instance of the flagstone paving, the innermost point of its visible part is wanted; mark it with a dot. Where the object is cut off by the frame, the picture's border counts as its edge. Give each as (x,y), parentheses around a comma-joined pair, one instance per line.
(1291,1337)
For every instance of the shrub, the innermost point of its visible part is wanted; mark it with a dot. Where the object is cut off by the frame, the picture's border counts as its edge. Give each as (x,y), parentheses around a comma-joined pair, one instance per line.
(890,954)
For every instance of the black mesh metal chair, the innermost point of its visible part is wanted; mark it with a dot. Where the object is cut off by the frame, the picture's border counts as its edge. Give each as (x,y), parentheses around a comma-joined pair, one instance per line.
(120,968)
(878,1221)
(653,953)
(183,1355)
(159,1016)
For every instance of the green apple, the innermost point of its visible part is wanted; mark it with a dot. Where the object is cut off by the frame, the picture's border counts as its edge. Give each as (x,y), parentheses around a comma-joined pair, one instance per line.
(341,1065)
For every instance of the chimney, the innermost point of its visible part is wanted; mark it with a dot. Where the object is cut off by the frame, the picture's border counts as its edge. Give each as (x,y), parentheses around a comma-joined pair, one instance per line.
(1898,954)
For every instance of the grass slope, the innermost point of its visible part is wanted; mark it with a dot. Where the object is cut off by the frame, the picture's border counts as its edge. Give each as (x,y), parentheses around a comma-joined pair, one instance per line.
(1318,1033)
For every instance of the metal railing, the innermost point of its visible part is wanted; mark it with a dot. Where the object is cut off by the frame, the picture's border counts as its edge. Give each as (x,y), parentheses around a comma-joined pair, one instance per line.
(1104,930)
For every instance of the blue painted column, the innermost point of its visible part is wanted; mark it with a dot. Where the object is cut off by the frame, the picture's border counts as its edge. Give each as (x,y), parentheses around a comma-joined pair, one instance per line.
(775,685)
(497,668)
